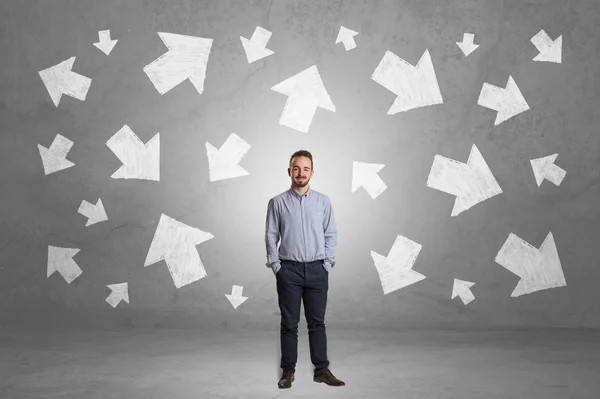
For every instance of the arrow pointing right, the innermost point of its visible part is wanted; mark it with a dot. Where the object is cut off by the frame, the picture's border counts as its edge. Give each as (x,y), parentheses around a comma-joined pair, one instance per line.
(508,102)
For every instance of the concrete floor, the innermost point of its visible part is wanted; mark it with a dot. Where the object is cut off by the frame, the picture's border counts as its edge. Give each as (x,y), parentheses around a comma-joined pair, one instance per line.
(447,364)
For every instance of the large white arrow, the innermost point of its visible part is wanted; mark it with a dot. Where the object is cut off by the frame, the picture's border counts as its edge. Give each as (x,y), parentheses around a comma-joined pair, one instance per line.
(550,50)
(119,293)
(346,36)
(544,168)
(59,80)
(105,44)
(223,163)
(186,59)
(539,269)
(395,271)
(467,46)
(256,47)
(61,260)
(140,161)
(508,102)
(55,157)
(365,175)
(462,289)
(305,92)
(471,183)
(94,213)
(236,298)
(415,86)
(176,243)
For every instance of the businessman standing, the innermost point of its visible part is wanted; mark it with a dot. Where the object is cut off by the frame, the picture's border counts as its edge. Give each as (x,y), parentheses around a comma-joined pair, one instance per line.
(303,219)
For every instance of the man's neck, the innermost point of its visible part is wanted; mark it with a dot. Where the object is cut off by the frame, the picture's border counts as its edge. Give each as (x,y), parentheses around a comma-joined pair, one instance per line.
(300,190)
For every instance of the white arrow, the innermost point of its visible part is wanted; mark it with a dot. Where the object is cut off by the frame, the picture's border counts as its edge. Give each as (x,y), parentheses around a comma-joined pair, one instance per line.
(176,243)
(305,92)
(236,297)
(508,102)
(415,86)
(94,213)
(539,269)
(105,44)
(55,157)
(61,260)
(59,80)
(140,161)
(346,36)
(395,271)
(462,289)
(365,175)
(186,59)
(550,50)
(544,168)
(223,163)
(467,45)
(256,47)
(119,293)
(471,183)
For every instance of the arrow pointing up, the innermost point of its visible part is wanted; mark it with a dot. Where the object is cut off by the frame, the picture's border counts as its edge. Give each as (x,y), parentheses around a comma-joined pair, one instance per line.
(94,213)
(61,260)
(55,157)
(550,50)
(256,47)
(467,45)
(508,102)
(59,80)
(176,243)
(539,269)
(140,161)
(365,175)
(236,298)
(415,86)
(471,183)
(544,168)
(105,44)
(223,163)
(463,290)
(305,92)
(186,59)
(346,36)
(119,293)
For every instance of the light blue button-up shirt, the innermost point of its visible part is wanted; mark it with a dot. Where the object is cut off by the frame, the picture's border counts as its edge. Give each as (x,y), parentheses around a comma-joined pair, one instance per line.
(306,226)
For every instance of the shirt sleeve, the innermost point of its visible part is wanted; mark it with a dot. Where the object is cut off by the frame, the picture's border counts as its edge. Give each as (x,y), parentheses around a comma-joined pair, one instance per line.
(272,236)
(330,235)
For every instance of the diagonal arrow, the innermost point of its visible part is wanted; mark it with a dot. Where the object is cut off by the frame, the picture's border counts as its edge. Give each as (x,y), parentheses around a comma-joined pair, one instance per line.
(467,45)
(544,168)
(61,260)
(463,290)
(256,47)
(236,298)
(508,101)
(346,36)
(59,80)
(55,157)
(140,161)
(395,271)
(94,213)
(549,50)
(223,163)
(105,44)
(365,175)
(120,292)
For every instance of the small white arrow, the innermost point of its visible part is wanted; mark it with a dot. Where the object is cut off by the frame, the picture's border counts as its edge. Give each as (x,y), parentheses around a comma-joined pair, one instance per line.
(223,163)
(539,269)
(140,161)
(186,59)
(414,86)
(365,175)
(467,45)
(508,102)
(471,183)
(119,293)
(176,243)
(236,297)
(463,290)
(105,44)
(305,92)
(55,157)
(544,168)
(550,50)
(59,80)
(256,47)
(395,271)
(94,213)
(61,260)
(346,36)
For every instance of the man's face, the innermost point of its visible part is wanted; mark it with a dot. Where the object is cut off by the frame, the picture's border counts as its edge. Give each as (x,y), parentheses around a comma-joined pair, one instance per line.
(301,171)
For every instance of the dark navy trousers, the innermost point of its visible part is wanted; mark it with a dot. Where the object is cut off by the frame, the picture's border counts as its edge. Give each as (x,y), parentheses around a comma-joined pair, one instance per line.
(307,282)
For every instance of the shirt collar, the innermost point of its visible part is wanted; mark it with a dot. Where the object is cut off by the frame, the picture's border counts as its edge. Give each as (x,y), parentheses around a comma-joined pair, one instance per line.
(306,194)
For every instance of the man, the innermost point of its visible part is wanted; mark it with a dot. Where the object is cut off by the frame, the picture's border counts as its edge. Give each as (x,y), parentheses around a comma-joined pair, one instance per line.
(303,218)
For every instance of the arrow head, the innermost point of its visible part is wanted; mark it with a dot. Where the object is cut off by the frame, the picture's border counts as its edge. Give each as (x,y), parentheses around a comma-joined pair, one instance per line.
(467,45)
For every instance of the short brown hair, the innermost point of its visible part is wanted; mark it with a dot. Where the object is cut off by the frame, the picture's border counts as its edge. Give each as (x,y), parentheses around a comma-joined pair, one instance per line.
(302,153)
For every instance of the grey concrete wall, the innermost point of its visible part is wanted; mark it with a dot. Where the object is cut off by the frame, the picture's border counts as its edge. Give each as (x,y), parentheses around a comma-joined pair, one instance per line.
(40,211)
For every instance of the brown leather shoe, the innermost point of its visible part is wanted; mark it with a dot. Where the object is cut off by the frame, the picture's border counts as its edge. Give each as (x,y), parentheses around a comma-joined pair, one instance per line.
(328,379)
(286,379)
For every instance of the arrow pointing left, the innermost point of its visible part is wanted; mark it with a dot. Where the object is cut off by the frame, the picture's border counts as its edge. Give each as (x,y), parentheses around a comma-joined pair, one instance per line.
(61,260)
(365,175)
(59,80)
(462,289)
(224,163)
